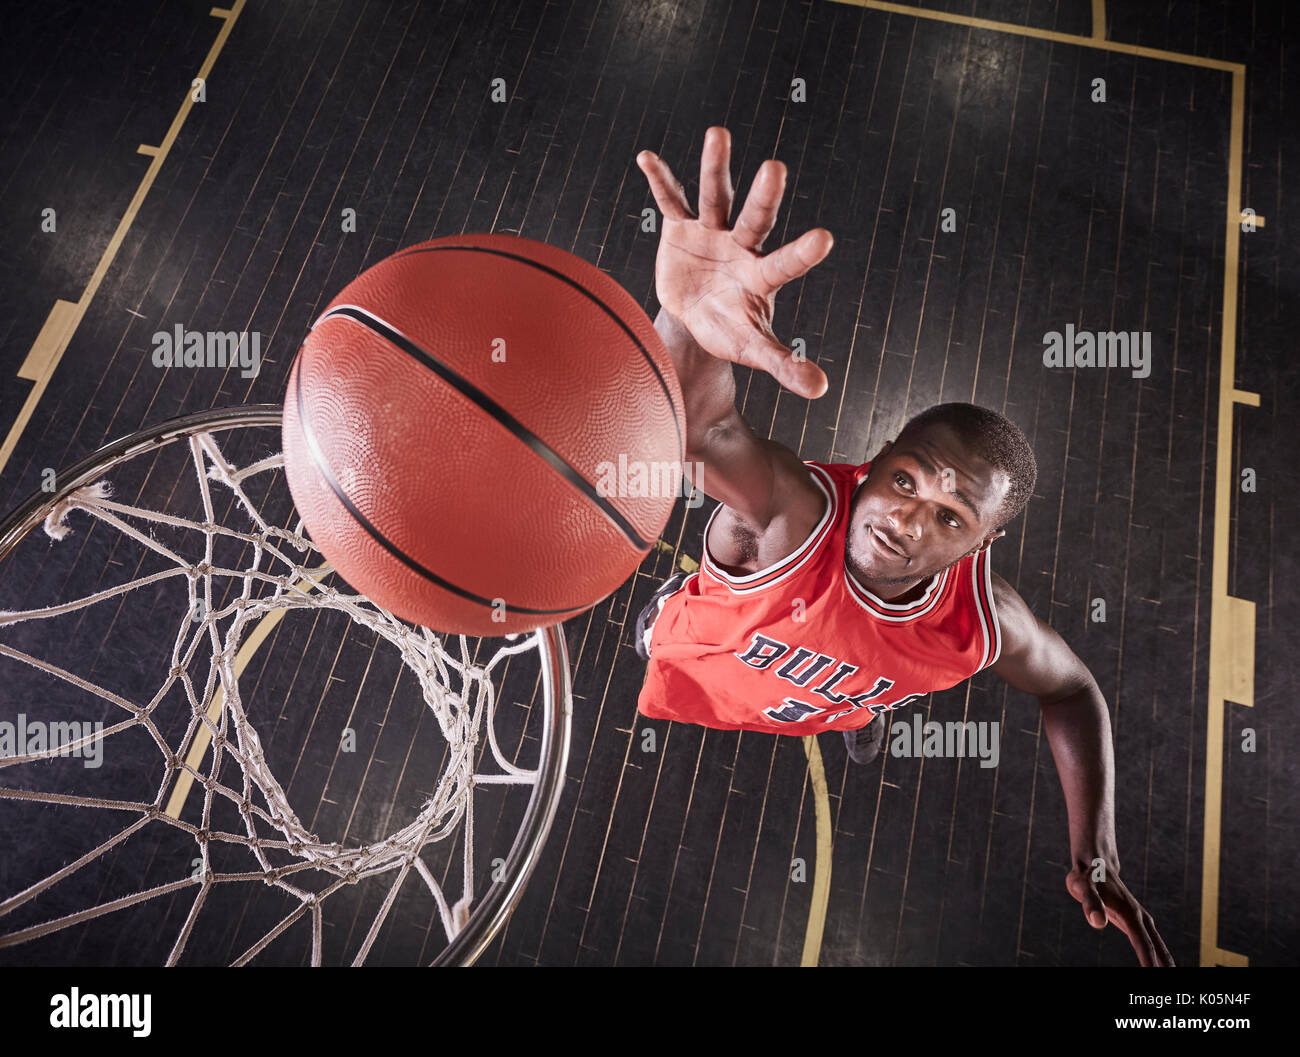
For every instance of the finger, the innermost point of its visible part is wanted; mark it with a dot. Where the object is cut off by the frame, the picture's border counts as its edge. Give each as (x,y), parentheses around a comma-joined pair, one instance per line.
(669,195)
(1143,949)
(793,259)
(1162,952)
(758,216)
(715,178)
(801,376)
(1142,943)
(1128,919)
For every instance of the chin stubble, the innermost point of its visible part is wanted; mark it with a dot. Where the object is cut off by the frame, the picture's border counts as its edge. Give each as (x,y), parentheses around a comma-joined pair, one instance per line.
(892,581)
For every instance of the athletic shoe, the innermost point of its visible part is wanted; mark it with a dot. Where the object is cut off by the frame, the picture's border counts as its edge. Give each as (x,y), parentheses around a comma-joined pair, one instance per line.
(646,621)
(864,743)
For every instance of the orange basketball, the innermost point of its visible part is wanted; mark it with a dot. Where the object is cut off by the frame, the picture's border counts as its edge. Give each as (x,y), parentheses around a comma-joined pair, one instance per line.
(483,434)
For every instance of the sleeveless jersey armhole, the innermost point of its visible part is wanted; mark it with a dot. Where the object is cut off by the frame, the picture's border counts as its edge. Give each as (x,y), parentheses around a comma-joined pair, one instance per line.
(787,566)
(985,608)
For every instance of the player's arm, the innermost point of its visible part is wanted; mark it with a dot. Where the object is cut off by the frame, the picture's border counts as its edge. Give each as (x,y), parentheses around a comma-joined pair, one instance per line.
(1036,659)
(757,479)
(717,294)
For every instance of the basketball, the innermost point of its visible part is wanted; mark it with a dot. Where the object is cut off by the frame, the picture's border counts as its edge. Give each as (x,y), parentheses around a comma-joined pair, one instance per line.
(483,434)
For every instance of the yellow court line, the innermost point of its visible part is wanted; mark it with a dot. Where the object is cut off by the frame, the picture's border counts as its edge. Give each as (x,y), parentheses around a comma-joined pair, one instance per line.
(685,562)
(812,940)
(1045,34)
(1232,620)
(1098,19)
(66,316)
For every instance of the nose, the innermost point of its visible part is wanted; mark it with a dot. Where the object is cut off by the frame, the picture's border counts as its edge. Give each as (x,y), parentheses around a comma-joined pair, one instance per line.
(905,520)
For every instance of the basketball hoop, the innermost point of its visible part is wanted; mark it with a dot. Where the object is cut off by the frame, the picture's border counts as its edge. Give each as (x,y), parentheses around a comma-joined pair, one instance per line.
(209,555)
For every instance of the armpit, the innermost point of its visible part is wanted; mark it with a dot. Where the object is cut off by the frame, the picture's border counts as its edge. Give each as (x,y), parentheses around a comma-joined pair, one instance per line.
(745,540)
(733,544)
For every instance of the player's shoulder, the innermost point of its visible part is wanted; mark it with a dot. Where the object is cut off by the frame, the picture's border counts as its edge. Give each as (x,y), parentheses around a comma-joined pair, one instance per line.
(805,501)
(814,492)
(1016,621)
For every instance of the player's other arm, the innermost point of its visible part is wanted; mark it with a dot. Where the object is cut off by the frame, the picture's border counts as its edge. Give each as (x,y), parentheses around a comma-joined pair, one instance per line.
(1036,659)
(717,294)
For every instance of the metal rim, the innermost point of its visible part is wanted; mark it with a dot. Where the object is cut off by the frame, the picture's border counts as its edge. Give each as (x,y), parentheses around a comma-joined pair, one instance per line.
(491,914)
(496,907)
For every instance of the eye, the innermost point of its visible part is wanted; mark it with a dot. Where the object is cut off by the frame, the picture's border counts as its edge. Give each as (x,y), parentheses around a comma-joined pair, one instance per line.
(901,479)
(949,520)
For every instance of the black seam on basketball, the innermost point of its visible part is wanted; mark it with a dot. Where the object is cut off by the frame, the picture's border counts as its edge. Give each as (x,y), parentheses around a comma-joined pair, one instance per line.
(318,457)
(489,406)
(663,384)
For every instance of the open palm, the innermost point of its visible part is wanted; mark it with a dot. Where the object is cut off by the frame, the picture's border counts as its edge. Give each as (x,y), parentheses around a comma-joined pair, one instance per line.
(712,277)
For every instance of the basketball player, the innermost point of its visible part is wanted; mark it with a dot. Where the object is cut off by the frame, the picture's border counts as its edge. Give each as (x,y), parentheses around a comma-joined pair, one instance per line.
(830,594)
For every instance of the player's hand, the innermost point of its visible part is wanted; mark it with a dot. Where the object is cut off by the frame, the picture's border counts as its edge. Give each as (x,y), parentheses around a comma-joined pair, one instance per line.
(710,275)
(1110,902)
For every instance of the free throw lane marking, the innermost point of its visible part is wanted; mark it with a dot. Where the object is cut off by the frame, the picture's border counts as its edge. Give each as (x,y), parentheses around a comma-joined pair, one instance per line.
(812,941)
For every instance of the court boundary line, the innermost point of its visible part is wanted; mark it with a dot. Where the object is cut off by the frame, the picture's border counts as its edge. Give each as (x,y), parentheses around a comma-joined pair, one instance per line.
(65,317)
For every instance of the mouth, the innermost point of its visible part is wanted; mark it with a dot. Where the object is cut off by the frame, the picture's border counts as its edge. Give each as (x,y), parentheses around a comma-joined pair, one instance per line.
(886,543)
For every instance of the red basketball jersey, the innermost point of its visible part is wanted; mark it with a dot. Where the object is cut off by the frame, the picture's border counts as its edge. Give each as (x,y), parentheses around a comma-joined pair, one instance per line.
(802,647)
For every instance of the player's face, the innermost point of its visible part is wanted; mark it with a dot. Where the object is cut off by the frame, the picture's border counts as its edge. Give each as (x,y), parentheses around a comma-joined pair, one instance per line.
(925,504)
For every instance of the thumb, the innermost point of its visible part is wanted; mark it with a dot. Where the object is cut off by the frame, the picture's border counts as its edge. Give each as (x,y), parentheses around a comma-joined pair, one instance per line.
(1094,909)
(796,373)
(1080,884)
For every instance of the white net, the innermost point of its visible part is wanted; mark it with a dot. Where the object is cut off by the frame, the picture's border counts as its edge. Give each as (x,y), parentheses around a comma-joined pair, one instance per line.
(128,731)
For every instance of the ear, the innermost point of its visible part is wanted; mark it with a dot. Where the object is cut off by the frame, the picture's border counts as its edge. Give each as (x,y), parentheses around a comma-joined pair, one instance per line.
(988,540)
(884,450)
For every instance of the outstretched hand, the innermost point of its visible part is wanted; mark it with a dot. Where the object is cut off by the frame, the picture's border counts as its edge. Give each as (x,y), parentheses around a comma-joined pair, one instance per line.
(712,278)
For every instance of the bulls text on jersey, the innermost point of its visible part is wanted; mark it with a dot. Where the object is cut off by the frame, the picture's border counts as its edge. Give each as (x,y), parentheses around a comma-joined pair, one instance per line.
(801,667)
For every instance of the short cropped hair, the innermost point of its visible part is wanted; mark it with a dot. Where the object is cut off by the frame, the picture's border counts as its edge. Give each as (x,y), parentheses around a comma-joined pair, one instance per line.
(994,438)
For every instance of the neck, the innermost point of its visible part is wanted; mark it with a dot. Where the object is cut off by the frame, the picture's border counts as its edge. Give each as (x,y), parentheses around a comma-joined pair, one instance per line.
(911,594)
(895,593)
